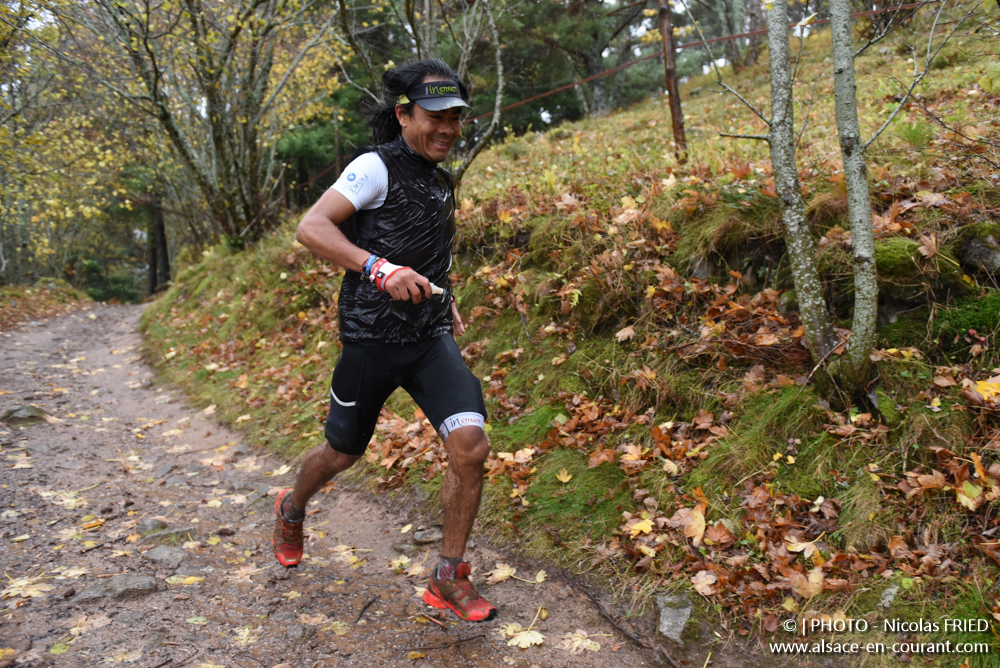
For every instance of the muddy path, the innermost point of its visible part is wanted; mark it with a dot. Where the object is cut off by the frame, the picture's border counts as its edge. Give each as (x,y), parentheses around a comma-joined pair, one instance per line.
(86,583)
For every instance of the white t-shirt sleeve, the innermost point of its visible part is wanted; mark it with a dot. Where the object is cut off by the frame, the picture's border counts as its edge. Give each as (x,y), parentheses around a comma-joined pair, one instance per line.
(365,182)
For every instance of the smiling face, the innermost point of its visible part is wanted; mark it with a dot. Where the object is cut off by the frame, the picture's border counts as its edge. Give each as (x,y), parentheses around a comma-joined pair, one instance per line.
(430,133)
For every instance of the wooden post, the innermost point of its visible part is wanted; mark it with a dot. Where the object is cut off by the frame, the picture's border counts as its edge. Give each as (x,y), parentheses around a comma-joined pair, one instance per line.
(676,115)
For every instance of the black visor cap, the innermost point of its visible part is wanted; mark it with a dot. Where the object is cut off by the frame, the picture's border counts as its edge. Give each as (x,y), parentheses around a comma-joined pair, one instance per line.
(434,96)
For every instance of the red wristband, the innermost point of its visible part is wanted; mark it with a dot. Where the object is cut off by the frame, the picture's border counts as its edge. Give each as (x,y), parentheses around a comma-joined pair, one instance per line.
(382,271)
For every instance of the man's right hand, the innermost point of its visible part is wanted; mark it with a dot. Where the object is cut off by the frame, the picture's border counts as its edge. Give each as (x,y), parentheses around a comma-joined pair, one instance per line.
(408,285)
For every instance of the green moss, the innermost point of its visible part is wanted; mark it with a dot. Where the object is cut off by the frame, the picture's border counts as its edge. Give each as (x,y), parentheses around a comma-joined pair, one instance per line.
(588,506)
(979,313)
(888,409)
(524,432)
(896,257)
(904,274)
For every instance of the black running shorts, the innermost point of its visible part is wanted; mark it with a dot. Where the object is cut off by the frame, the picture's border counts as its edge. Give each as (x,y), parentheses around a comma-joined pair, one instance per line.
(431,371)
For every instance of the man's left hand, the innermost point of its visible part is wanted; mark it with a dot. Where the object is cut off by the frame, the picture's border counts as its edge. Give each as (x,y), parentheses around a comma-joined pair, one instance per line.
(458,325)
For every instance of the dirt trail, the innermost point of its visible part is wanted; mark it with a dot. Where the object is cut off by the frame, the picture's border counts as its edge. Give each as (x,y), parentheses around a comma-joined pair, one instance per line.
(85,588)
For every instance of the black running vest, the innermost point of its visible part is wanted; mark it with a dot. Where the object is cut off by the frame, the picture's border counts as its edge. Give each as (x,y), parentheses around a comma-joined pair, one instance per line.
(415,227)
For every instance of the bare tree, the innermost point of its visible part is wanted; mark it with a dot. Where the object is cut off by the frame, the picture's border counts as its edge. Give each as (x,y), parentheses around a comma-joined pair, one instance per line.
(217,78)
(854,368)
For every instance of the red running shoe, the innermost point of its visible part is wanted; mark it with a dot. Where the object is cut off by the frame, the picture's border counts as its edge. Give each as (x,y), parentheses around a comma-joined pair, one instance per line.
(287,540)
(459,596)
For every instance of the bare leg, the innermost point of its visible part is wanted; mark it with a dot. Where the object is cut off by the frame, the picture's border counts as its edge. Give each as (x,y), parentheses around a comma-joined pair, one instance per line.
(462,487)
(318,468)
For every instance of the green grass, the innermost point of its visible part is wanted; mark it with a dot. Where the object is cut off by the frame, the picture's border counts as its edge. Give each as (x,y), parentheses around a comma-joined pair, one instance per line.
(588,506)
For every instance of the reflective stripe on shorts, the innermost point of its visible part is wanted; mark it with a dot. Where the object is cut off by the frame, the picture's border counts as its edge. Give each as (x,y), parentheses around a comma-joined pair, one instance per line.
(460,420)
(342,403)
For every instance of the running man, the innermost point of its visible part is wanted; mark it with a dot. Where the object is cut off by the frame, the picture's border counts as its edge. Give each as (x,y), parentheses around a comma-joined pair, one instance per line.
(390,222)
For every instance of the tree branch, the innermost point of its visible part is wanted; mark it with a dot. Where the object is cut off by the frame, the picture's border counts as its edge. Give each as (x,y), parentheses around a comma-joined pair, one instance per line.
(927,65)
(718,74)
(291,68)
(497,103)
(361,53)
(891,26)
(739,136)
(352,82)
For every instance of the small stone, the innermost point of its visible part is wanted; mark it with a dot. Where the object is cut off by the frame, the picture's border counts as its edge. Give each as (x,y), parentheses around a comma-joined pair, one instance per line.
(150,525)
(23,414)
(166,557)
(981,252)
(69,593)
(426,536)
(300,632)
(120,587)
(181,597)
(225,531)
(130,617)
(284,616)
(163,470)
(675,611)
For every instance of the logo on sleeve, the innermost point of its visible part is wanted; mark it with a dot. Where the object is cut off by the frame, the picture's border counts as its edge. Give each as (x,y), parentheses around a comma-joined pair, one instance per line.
(356,188)
(351,176)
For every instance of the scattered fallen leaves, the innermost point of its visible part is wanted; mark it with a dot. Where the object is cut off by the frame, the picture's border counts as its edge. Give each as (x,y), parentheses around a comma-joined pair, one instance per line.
(579,641)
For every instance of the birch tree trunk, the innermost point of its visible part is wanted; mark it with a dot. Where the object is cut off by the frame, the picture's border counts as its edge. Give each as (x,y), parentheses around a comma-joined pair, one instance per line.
(855,364)
(819,335)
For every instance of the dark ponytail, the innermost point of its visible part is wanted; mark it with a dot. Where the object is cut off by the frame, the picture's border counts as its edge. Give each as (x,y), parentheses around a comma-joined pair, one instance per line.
(397,81)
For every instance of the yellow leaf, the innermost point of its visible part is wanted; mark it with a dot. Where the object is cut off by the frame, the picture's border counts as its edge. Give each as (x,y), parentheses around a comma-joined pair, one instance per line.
(406,528)
(540,577)
(292,594)
(643,526)
(414,655)
(399,563)
(214,540)
(525,639)
(18,539)
(564,476)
